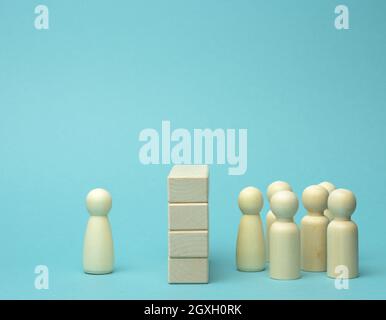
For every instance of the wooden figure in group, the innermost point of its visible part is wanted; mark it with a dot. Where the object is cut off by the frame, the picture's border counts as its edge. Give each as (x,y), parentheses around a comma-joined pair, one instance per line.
(270,217)
(250,247)
(330,188)
(342,235)
(313,233)
(284,240)
(98,251)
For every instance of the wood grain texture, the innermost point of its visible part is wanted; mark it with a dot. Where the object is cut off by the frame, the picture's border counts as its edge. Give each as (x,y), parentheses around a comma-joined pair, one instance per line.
(313,243)
(188,183)
(188,270)
(188,244)
(188,216)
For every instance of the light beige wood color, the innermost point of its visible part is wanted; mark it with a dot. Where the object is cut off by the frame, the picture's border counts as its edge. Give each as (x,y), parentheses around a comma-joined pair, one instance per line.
(250,247)
(188,270)
(270,217)
(98,249)
(188,183)
(313,232)
(284,242)
(188,244)
(188,216)
(342,234)
(329,187)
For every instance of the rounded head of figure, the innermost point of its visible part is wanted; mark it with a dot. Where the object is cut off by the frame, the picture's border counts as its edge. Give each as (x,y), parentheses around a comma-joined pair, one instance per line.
(250,200)
(284,204)
(315,199)
(342,203)
(276,187)
(98,202)
(328,186)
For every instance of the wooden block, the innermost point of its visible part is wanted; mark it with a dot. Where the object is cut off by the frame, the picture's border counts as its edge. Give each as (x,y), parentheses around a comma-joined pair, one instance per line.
(188,216)
(188,270)
(188,244)
(188,183)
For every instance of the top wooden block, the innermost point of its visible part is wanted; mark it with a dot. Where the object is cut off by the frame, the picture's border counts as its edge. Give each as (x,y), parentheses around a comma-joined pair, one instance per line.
(188,183)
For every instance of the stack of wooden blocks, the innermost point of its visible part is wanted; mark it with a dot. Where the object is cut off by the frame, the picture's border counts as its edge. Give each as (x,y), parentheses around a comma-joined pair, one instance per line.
(188,224)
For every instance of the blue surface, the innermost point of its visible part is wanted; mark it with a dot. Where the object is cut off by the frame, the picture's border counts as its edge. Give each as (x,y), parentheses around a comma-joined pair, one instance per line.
(73,100)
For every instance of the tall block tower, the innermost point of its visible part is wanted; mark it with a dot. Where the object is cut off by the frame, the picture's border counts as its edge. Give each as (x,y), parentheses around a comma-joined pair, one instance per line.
(188,232)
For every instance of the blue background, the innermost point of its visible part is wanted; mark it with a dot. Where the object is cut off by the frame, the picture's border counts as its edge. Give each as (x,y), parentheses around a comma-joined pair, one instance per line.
(73,100)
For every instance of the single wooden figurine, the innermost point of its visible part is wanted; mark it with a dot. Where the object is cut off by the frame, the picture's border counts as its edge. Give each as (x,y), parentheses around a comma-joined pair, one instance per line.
(284,240)
(313,234)
(250,247)
(98,251)
(342,235)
